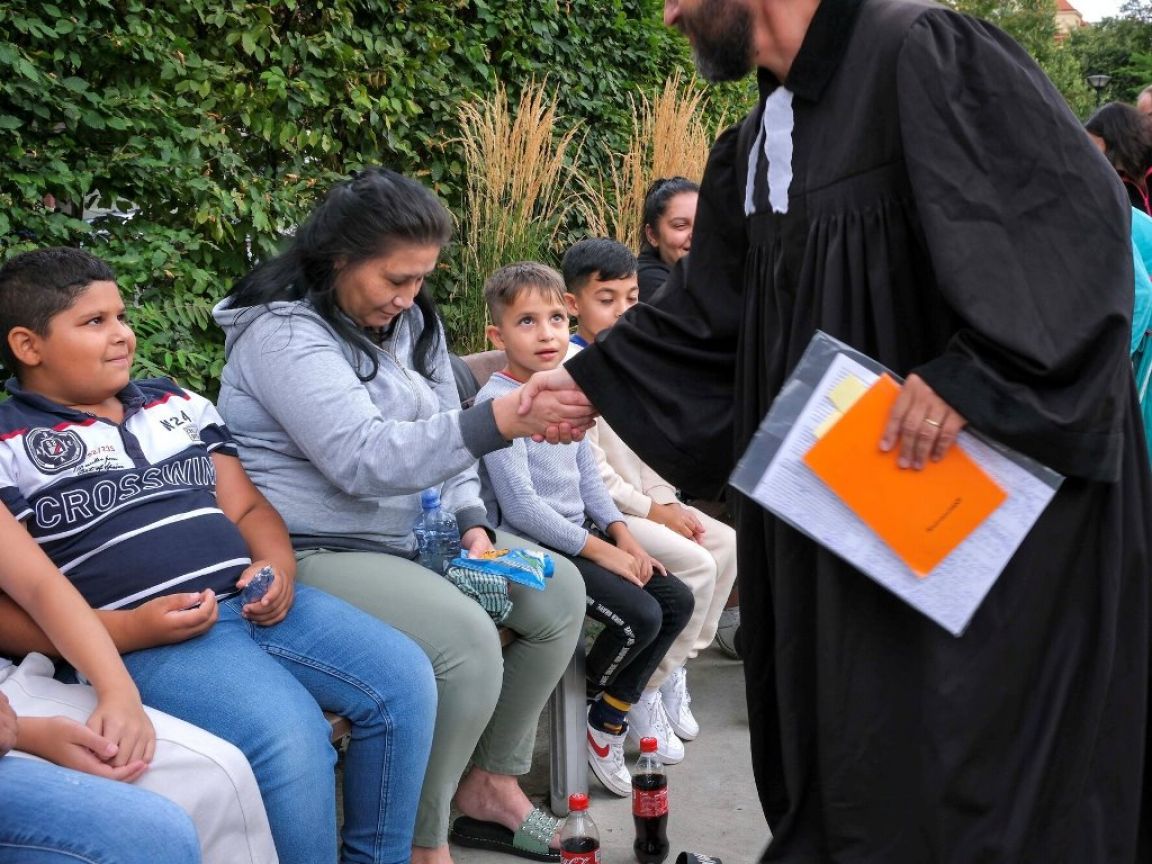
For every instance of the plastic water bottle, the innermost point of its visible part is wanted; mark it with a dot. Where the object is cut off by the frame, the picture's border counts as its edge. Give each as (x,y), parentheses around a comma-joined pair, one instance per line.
(579,838)
(258,585)
(650,805)
(437,535)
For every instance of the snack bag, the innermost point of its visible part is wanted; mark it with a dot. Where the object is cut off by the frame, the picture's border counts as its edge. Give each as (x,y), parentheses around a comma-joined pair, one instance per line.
(526,566)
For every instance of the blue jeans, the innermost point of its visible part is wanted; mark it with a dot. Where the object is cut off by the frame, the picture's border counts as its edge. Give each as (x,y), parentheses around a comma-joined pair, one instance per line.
(53,815)
(262,688)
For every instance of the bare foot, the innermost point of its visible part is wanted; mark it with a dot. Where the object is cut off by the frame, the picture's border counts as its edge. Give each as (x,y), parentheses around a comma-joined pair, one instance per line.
(493,798)
(436,855)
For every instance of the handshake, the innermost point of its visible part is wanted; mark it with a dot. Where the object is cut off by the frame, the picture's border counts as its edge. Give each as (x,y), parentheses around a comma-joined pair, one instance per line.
(549,406)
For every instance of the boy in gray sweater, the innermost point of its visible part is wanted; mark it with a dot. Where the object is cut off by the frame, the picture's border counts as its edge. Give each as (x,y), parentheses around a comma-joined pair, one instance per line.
(553,494)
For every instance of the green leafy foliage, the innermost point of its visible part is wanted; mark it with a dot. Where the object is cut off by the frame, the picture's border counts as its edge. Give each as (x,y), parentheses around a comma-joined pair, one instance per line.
(217,123)
(1032,23)
(1118,47)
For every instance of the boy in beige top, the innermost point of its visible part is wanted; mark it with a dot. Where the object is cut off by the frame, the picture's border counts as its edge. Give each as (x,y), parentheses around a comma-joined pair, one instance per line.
(600,278)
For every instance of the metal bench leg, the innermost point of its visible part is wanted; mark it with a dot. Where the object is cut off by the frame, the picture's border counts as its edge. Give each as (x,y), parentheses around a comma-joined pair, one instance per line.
(568,752)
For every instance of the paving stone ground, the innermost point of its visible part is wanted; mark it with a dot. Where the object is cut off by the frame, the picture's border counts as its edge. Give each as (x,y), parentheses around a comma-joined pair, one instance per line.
(713,805)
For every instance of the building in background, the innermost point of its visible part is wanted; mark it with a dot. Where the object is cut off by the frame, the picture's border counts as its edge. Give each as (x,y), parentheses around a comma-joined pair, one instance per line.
(1068,18)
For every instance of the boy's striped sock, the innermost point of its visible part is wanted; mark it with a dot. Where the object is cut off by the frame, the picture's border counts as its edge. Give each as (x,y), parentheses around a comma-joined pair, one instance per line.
(607,714)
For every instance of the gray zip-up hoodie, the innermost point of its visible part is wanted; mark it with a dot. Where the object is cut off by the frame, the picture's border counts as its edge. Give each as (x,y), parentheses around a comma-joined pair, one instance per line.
(344,461)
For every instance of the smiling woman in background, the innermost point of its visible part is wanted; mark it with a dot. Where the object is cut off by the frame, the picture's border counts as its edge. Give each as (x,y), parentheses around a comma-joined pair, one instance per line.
(669,214)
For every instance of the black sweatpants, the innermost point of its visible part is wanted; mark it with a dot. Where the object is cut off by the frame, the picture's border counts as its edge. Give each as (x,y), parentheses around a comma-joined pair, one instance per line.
(640,625)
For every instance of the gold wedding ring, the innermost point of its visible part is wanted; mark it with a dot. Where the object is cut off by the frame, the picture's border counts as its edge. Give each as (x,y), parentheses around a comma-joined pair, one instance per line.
(932,422)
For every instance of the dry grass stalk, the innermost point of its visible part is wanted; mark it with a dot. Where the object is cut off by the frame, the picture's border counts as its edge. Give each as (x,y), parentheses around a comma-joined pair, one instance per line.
(669,138)
(516,193)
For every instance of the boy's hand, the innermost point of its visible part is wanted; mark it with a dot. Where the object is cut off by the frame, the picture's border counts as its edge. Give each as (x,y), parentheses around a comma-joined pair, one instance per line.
(8,726)
(273,607)
(74,745)
(176,618)
(679,519)
(613,559)
(646,563)
(120,718)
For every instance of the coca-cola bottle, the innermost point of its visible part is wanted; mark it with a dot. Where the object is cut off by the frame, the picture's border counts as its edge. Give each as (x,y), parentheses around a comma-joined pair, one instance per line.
(579,839)
(650,805)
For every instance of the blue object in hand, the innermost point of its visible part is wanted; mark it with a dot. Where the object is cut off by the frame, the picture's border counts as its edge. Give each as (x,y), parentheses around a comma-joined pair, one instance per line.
(437,535)
(258,585)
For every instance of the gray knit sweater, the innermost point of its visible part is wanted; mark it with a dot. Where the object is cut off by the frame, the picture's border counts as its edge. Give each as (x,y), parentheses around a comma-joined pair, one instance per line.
(341,459)
(545,491)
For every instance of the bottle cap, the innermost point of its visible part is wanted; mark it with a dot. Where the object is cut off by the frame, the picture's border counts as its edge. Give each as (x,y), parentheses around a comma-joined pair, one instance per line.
(430,499)
(648,745)
(577,801)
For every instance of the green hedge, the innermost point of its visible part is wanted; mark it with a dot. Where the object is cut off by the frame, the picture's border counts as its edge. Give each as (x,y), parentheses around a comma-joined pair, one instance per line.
(220,121)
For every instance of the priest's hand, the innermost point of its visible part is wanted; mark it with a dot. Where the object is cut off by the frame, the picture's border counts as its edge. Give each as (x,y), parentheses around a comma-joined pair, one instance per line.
(922,424)
(556,381)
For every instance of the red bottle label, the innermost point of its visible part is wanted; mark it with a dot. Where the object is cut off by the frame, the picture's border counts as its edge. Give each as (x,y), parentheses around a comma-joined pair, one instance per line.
(649,802)
(592,857)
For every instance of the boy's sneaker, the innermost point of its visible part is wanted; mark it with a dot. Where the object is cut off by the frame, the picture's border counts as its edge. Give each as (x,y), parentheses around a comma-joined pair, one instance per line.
(647,719)
(606,756)
(678,705)
(726,632)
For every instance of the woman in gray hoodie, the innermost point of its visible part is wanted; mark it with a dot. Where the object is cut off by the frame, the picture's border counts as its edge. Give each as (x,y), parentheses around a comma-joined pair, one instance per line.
(338,391)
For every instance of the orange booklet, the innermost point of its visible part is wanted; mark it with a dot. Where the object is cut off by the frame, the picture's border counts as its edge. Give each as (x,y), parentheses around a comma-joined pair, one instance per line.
(921,515)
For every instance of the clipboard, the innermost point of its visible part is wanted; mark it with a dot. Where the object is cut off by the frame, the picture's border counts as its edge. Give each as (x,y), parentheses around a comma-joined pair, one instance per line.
(773,472)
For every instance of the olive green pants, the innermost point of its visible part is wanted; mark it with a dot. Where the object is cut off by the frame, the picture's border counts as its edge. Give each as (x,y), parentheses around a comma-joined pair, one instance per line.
(489,701)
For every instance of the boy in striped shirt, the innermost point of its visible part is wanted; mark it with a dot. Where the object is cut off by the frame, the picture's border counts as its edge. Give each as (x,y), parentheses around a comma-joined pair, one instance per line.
(135,491)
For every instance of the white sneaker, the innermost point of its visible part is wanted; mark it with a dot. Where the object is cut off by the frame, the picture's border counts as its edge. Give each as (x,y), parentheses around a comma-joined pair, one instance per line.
(678,705)
(606,756)
(647,719)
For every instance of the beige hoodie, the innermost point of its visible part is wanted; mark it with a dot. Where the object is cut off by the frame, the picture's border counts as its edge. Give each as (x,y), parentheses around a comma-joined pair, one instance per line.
(634,486)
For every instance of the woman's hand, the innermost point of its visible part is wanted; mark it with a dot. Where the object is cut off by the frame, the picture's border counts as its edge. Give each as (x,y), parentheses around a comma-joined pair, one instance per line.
(923,424)
(549,407)
(475,541)
(73,745)
(273,607)
(120,718)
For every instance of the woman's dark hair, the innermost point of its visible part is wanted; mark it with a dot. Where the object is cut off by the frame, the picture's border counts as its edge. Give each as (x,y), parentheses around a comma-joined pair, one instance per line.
(358,219)
(1127,136)
(656,202)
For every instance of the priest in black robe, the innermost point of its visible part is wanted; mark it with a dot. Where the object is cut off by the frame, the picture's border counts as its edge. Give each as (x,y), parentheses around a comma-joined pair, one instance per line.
(920,191)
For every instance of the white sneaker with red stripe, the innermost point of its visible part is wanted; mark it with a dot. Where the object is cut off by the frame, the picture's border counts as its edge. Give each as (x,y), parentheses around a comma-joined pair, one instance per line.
(606,758)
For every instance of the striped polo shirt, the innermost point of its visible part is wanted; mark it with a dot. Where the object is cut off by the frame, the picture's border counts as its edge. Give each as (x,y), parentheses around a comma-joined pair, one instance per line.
(127,511)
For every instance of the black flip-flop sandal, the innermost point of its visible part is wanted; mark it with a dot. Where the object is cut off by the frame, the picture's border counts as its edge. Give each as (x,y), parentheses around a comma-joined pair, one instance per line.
(529,841)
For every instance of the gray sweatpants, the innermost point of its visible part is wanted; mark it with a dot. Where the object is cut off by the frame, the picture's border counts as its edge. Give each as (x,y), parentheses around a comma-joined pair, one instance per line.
(489,701)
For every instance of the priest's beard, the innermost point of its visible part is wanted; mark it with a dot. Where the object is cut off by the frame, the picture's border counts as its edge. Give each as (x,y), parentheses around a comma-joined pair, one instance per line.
(721,36)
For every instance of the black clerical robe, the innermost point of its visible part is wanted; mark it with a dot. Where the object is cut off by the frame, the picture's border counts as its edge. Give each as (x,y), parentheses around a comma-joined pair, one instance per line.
(947,215)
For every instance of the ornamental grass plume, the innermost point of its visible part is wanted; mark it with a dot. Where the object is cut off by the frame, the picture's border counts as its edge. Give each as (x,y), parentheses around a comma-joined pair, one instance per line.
(517,189)
(669,138)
